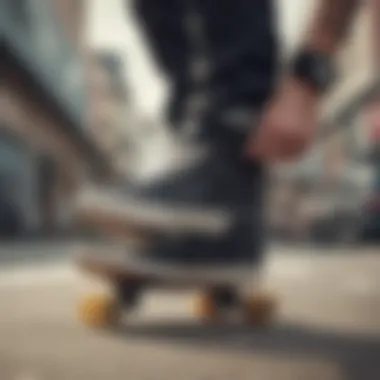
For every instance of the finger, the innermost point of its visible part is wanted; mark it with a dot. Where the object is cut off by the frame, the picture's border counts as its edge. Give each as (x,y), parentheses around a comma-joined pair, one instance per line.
(254,147)
(257,140)
(268,150)
(263,148)
(275,147)
(268,146)
(290,149)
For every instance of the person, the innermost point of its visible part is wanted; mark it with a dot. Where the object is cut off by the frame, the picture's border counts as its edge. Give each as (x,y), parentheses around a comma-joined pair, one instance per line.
(233,114)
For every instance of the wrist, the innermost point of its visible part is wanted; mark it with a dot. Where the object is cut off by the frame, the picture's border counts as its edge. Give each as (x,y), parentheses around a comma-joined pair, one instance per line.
(305,91)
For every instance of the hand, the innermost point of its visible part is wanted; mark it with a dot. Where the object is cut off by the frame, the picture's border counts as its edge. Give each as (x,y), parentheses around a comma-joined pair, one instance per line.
(288,125)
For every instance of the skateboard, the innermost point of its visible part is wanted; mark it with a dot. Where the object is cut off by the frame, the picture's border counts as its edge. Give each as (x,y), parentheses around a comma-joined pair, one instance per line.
(216,297)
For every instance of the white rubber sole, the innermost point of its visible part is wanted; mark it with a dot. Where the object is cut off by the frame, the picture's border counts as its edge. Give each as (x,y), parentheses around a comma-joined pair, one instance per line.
(98,204)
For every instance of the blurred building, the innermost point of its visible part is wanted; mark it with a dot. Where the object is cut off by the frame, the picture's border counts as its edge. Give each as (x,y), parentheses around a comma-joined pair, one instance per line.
(359,80)
(45,151)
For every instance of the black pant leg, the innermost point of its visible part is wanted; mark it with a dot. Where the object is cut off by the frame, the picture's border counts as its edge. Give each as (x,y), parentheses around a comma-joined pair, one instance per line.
(163,23)
(241,42)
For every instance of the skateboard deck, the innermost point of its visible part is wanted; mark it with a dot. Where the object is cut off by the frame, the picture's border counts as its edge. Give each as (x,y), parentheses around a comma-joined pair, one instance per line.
(125,267)
(216,294)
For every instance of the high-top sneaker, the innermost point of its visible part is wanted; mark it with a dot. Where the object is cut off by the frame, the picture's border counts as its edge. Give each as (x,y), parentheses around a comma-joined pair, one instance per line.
(201,191)
(207,207)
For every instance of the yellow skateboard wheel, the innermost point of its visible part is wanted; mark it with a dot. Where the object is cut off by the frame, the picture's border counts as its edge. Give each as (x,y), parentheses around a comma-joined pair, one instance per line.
(99,311)
(205,308)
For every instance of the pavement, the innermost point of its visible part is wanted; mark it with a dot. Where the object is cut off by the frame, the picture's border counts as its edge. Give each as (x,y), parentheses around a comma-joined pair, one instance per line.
(328,326)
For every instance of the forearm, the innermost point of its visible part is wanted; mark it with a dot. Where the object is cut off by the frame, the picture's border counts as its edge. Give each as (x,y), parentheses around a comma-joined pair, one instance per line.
(332,24)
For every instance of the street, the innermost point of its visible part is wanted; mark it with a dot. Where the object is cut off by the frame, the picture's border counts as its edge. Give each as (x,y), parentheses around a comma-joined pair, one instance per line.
(328,327)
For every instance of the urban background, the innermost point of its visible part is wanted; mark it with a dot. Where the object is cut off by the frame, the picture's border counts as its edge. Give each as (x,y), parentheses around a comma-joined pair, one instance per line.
(81,101)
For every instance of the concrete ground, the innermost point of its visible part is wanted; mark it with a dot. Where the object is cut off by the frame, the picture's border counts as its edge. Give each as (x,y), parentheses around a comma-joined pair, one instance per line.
(328,326)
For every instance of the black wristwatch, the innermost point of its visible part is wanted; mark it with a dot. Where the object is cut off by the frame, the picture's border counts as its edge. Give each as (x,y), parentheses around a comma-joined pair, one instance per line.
(315,68)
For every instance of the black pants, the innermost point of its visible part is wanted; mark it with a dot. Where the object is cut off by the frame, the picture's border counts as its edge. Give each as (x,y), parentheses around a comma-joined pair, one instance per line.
(237,37)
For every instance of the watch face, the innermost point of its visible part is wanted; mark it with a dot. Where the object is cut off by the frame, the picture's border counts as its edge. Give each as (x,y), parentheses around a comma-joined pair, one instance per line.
(323,74)
(316,68)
